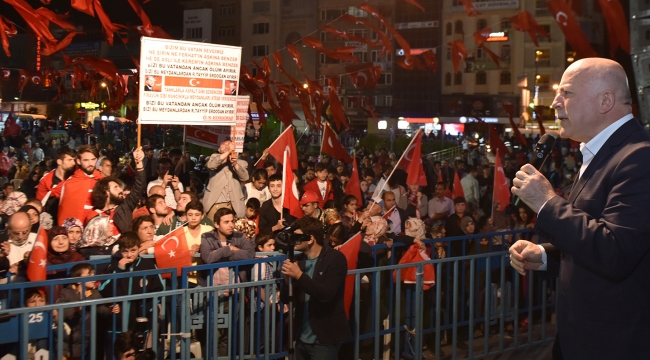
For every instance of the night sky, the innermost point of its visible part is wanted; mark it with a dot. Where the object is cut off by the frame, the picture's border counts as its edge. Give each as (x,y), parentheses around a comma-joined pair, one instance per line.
(167,14)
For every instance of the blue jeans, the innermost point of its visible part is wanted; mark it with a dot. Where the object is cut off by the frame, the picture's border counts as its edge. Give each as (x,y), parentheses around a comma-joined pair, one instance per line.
(316,351)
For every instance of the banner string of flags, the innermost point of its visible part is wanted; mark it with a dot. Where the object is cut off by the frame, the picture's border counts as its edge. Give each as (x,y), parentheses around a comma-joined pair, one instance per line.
(87,71)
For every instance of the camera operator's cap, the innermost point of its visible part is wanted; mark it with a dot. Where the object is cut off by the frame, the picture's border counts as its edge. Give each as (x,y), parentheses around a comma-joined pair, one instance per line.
(309,197)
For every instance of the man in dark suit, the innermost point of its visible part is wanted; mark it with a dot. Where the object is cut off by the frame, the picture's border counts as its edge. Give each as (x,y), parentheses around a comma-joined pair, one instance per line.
(599,238)
(318,273)
(149,82)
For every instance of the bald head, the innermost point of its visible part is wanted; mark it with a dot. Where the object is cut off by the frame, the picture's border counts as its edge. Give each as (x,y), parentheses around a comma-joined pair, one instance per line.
(19,227)
(592,95)
(157,190)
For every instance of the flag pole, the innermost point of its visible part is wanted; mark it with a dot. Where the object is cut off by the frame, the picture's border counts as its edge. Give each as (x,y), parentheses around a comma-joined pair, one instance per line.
(284,184)
(322,139)
(376,193)
(278,138)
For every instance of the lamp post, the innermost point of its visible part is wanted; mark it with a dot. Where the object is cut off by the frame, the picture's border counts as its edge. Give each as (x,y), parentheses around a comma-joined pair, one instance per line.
(108,92)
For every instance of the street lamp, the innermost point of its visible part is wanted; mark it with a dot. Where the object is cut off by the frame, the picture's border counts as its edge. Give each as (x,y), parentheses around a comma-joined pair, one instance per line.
(105,86)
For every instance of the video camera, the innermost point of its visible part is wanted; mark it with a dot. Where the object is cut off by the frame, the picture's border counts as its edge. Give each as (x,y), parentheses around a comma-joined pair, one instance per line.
(287,239)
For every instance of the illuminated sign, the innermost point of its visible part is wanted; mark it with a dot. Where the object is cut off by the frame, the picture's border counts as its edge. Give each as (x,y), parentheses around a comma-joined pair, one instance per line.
(464,119)
(497,37)
(417,25)
(419,120)
(89,105)
(400,52)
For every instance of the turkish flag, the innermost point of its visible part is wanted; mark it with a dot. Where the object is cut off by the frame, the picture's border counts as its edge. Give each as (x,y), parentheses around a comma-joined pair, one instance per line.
(458,53)
(85,6)
(501,186)
(387,44)
(415,3)
(345,35)
(510,109)
(38,24)
(107,24)
(172,251)
(286,111)
(387,214)
(398,37)
(524,21)
(412,162)
(335,106)
(480,37)
(48,15)
(142,15)
(353,187)
(618,33)
(286,141)
(64,43)
(458,187)
(430,60)
(11,127)
(351,251)
(496,143)
(295,54)
(290,197)
(36,268)
(364,76)
(332,146)
(203,136)
(193,82)
(343,54)
(470,9)
(318,99)
(154,32)
(570,27)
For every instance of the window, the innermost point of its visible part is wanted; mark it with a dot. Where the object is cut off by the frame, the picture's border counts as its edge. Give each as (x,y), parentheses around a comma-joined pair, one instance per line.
(254,71)
(458,27)
(261,6)
(448,79)
(385,79)
(331,14)
(449,53)
(458,78)
(226,31)
(448,29)
(194,33)
(481,24)
(543,57)
(481,78)
(322,80)
(383,100)
(327,60)
(357,32)
(383,29)
(506,25)
(261,28)
(479,53)
(260,50)
(228,9)
(505,78)
(505,53)
(361,55)
(352,10)
(374,56)
(543,81)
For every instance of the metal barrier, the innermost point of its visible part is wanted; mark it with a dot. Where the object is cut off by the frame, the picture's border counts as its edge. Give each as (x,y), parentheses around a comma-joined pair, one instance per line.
(389,319)
(449,154)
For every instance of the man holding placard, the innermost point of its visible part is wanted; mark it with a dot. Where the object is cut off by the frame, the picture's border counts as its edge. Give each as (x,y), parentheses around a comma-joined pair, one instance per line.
(224,189)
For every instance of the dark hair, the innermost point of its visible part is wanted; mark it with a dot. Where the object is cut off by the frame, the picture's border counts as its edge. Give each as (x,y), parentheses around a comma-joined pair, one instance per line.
(63,151)
(338,231)
(253,203)
(275,177)
(128,240)
(87,149)
(152,200)
(76,270)
(135,224)
(164,161)
(348,199)
(459,200)
(268,163)
(99,197)
(367,172)
(6,185)
(332,170)
(175,152)
(221,213)
(124,342)
(440,183)
(346,172)
(321,166)
(259,174)
(311,226)
(192,194)
(31,292)
(262,238)
(194,205)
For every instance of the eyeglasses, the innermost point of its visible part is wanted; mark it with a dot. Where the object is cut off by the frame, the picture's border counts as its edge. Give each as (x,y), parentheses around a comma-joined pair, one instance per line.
(21,232)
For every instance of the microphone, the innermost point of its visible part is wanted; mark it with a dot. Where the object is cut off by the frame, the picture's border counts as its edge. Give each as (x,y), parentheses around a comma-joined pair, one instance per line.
(542,151)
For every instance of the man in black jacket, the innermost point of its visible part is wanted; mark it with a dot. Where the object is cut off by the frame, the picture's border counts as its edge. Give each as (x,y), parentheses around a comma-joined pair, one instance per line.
(318,273)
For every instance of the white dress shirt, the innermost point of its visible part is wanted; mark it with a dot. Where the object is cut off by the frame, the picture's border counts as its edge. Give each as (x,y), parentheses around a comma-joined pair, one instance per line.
(589,151)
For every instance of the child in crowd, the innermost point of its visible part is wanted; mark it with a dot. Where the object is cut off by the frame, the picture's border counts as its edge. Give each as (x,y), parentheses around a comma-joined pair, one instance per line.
(130,261)
(253,212)
(264,242)
(257,187)
(80,327)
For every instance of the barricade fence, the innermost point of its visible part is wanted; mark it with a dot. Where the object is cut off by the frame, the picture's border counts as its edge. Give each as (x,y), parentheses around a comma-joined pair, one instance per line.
(476,305)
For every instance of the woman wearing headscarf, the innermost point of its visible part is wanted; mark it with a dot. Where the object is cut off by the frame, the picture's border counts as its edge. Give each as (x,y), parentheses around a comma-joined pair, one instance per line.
(75,230)
(34,216)
(29,185)
(59,250)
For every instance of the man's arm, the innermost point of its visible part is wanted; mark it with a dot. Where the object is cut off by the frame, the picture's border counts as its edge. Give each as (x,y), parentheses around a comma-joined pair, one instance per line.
(615,243)
(242,170)
(246,249)
(335,271)
(216,160)
(212,254)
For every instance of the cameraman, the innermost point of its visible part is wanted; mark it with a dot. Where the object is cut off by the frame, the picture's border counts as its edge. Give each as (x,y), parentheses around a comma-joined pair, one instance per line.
(319,276)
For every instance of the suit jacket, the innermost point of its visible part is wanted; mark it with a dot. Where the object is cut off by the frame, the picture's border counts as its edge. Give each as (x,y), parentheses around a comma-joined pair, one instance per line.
(326,310)
(329,192)
(224,177)
(600,240)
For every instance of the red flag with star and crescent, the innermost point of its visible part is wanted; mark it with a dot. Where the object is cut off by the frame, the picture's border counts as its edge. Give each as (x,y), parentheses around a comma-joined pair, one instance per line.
(571,28)
(286,141)
(353,186)
(351,251)
(290,196)
(412,162)
(332,146)
(458,187)
(172,251)
(36,268)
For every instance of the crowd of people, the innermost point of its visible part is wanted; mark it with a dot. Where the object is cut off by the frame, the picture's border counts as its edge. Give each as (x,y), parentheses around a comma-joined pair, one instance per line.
(95,201)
